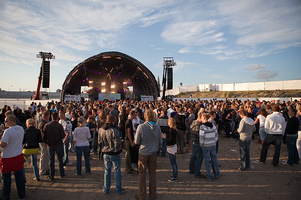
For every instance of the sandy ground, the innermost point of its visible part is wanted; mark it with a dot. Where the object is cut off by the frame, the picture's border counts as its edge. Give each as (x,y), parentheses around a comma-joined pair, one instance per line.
(263,181)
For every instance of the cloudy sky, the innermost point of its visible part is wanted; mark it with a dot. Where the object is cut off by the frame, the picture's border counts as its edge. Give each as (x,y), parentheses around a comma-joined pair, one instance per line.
(212,41)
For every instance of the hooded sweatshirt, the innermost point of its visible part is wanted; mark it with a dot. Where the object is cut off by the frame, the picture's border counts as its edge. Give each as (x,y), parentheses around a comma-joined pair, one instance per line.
(110,138)
(246,129)
(208,135)
(148,136)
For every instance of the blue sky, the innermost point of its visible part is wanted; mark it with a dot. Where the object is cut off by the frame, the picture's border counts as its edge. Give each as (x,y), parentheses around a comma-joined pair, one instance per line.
(212,41)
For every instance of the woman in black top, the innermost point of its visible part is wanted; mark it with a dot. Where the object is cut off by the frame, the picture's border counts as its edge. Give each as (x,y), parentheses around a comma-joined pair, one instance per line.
(32,138)
(171,144)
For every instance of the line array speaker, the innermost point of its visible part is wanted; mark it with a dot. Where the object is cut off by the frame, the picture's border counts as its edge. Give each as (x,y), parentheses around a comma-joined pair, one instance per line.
(169,78)
(46,73)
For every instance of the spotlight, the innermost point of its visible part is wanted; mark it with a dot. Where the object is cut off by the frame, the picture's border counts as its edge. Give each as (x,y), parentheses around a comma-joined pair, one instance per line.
(103,83)
(103,90)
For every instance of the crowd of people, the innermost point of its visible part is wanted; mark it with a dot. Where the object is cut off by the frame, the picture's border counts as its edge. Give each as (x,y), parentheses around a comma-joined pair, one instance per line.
(144,131)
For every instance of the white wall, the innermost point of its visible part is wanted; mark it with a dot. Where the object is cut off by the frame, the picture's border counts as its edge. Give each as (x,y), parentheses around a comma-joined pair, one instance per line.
(271,85)
(292,85)
(274,85)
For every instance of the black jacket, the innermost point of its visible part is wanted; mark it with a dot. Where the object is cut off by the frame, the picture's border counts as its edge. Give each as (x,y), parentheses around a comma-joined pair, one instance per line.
(292,126)
(171,137)
(32,138)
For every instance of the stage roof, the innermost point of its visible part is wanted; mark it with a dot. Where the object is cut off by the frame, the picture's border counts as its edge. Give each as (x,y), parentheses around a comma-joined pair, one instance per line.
(113,68)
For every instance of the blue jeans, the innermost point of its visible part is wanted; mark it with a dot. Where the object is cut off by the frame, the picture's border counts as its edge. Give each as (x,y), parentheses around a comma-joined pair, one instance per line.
(79,151)
(244,149)
(34,165)
(163,151)
(196,160)
(271,139)
(262,133)
(108,161)
(20,183)
(293,156)
(173,162)
(66,151)
(209,153)
(60,154)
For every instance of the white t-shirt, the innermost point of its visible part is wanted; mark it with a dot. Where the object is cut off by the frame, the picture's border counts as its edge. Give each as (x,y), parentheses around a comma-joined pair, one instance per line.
(67,126)
(81,136)
(13,136)
(136,122)
(261,120)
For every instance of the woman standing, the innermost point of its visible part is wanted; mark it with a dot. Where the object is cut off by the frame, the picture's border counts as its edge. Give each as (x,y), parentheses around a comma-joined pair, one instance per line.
(262,114)
(81,142)
(171,144)
(32,138)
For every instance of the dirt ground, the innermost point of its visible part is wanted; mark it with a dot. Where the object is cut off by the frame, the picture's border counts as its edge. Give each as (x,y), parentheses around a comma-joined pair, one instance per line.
(263,181)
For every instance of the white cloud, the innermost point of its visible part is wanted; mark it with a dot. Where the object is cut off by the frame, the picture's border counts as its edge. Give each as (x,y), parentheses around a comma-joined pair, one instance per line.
(192,33)
(246,28)
(262,22)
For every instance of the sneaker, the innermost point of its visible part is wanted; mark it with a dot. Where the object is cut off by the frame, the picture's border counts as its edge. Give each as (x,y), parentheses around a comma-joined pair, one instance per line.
(69,163)
(286,164)
(172,179)
(121,193)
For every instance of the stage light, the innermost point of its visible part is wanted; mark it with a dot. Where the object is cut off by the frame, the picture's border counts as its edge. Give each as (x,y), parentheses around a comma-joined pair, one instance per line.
(103,90)
(113,86)
(90,81)
(124,83)
(113,92)
(103,83)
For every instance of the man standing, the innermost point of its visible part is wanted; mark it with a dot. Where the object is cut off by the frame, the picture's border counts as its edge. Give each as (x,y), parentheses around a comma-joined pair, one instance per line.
(67,126)
(181,126)
(53,136)
(290,137)
(163,123)
(12,157)
(274,127)
(196,158)
(148,136)
(44,158)
(129,141)
(111,148)
(245,130)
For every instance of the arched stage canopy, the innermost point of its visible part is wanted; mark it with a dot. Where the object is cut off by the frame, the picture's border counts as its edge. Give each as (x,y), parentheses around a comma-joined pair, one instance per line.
(111,72)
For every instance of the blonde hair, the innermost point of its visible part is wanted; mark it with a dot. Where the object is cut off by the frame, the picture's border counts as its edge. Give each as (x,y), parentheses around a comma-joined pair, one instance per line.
(172,123)
(81,120)
(30,122)
(149,115)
